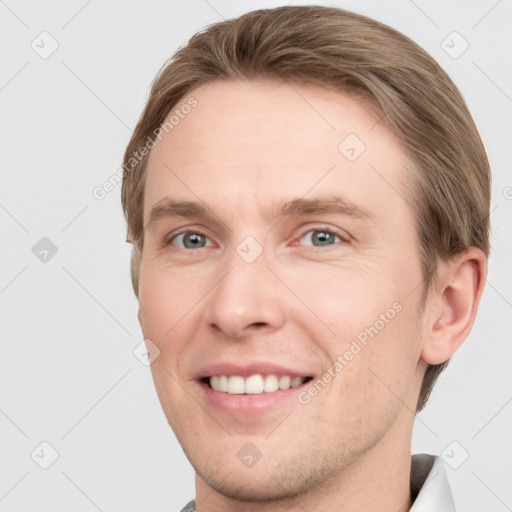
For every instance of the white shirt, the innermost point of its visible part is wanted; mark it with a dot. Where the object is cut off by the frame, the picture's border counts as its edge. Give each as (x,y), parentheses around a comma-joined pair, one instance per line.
(430,490)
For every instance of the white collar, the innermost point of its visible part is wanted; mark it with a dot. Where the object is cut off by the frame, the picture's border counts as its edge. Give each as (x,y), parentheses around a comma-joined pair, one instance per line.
(430,489)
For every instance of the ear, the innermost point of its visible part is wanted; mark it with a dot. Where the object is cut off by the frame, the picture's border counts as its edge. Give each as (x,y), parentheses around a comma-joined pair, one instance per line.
(452,304)
(139,317)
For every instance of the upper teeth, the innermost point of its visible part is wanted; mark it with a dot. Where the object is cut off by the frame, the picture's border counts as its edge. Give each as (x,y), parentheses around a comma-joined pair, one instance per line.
(254,384)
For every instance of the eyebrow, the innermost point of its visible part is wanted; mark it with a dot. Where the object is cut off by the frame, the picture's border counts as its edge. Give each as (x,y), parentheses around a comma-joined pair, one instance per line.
(167,208)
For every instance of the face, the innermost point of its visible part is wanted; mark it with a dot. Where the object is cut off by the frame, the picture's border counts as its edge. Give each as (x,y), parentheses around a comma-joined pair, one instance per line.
(294,262)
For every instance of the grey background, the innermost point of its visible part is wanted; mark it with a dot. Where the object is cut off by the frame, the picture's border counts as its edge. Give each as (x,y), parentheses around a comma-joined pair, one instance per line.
(69,326)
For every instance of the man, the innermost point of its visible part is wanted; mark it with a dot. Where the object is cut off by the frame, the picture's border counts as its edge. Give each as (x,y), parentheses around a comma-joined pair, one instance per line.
(308,201)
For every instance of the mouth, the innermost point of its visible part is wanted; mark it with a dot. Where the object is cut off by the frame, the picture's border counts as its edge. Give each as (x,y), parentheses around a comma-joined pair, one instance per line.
(255,384)
(252,388)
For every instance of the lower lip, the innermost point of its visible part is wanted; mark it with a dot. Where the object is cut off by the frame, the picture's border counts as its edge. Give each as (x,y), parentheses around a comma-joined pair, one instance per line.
(246,405)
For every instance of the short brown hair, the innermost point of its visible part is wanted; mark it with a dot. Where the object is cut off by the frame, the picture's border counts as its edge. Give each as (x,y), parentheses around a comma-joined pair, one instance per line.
(353,54)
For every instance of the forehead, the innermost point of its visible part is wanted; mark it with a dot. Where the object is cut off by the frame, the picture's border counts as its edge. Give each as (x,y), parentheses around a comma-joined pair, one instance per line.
(271,140)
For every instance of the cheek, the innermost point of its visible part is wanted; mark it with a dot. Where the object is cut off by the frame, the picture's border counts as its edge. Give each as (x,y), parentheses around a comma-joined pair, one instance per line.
(368,325)
(165,297)
(383,371)
(169,313)
(167,317)
(346,300)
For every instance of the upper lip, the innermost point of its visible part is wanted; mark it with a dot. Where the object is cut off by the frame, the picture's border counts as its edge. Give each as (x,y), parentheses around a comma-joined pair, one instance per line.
(249,368)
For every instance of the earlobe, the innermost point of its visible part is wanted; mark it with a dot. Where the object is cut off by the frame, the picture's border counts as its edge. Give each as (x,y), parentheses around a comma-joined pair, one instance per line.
(453,305)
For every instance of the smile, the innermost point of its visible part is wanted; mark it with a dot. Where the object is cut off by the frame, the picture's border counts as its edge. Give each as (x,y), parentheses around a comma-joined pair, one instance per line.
(253,384)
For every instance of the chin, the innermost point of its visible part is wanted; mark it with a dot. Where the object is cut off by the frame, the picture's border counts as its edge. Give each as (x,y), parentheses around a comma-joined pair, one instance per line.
(276,478)
(254,487)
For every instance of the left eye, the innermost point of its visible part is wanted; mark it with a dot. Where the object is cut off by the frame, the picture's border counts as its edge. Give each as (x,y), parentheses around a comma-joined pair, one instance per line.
(321,236)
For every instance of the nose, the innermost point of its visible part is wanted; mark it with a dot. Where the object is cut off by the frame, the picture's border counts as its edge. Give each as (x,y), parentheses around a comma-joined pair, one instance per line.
(245,300)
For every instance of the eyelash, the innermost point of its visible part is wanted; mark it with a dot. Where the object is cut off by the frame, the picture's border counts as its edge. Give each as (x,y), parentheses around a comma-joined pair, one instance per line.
(343,237)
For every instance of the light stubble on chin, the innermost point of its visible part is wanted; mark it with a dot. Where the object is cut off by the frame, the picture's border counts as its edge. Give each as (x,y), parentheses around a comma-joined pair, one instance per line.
(285,479)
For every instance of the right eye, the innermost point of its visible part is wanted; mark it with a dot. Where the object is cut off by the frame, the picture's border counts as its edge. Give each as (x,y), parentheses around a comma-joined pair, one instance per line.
(189,239)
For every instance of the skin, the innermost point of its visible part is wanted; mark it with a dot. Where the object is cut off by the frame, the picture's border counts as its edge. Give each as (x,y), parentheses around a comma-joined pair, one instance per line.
(300,303)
